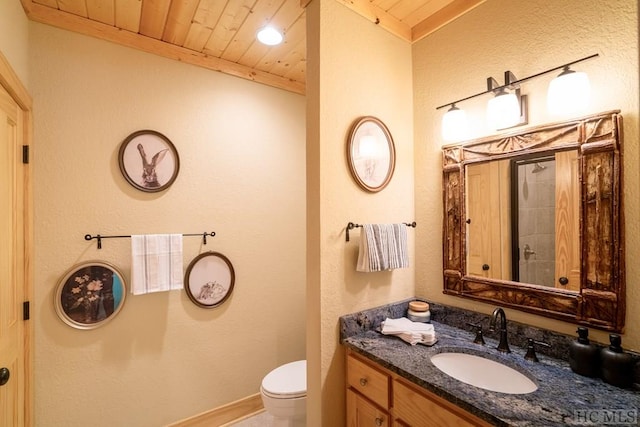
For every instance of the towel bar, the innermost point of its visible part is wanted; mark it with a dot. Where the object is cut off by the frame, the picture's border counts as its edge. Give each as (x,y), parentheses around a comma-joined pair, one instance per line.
(99,237)
(351,226)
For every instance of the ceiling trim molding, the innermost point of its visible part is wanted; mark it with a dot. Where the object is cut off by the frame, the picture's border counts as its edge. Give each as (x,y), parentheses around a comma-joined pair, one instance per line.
(453,10)
(379,17)
(68,21)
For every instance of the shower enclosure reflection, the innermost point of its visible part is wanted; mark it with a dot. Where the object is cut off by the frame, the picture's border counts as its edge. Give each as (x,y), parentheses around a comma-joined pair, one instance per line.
(534,227)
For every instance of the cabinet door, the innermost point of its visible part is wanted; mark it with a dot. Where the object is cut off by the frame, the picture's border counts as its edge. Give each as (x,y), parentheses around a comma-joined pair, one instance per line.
(362,413)
(419,409)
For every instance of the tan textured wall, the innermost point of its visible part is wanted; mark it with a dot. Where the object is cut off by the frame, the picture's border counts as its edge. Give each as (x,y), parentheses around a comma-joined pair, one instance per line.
(363,70)
(14,38)
(525,37)
(89,95)
(242,150)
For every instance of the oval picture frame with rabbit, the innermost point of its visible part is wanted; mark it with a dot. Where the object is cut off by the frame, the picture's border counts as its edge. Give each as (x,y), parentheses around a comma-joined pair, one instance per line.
(149,161)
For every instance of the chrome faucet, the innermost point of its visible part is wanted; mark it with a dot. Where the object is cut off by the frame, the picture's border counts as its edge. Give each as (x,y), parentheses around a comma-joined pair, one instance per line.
(503,345)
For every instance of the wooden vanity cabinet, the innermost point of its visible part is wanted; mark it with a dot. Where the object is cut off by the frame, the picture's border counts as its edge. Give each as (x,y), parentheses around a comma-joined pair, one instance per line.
(378,397)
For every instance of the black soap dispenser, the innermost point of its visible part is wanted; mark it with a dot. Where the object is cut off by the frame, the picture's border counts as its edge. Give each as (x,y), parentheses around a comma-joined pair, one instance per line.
(617,366)
(584,357)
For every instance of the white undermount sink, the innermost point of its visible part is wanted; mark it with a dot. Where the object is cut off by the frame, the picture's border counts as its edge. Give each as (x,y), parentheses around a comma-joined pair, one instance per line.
(484,373)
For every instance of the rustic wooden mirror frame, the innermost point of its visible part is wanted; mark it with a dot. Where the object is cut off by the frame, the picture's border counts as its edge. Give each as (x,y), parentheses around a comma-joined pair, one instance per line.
(600,303)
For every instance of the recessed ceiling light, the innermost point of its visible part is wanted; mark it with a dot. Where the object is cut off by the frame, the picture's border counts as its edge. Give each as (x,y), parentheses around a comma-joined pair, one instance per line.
(269,36)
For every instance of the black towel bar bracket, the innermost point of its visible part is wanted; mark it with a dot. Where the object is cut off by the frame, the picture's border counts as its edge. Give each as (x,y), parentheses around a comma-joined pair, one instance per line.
(98,237)
(351,226)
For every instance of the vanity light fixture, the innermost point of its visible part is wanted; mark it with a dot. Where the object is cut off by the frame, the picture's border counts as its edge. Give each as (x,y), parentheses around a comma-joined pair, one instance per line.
(506,109)
(562,98)
(454,124)
(503,111)
(568,93)
(269,36)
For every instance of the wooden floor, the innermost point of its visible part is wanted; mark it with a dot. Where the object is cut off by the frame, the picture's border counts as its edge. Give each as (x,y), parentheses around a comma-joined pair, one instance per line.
(261,419)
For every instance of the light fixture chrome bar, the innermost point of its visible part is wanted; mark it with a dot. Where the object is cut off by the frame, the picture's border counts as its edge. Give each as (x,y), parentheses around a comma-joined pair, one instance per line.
(509,83)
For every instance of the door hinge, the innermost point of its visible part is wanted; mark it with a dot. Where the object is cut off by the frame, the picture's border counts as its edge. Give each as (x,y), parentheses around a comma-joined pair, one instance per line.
(25,310)
(25,154)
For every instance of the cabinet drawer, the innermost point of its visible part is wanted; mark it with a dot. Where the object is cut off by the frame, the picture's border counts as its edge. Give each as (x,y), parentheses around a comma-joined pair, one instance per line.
(369,381)
(415,407)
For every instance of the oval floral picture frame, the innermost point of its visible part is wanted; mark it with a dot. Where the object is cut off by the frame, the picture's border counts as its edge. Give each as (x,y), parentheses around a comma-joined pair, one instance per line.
(148,161)
(90,294)
(371,153)
(209,279)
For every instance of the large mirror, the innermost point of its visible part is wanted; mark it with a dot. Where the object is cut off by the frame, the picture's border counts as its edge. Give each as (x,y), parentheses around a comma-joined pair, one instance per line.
(533,220)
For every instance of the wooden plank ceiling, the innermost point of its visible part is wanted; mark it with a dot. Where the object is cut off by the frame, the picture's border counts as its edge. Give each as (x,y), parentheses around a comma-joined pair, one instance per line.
(220,34)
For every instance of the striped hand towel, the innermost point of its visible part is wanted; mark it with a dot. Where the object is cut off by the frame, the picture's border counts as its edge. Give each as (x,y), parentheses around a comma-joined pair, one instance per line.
(383,247)
(397,244)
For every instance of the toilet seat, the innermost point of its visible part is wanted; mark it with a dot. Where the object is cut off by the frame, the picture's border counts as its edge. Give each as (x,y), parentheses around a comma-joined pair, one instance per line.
(288,381)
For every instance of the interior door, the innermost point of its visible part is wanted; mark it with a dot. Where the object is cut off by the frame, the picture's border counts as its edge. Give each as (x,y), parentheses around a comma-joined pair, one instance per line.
(12,264)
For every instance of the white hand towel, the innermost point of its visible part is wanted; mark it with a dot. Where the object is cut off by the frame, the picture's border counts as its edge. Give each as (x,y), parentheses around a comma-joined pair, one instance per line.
(411,332)
(363,255)
(156,263)
(403,324)
(416,338)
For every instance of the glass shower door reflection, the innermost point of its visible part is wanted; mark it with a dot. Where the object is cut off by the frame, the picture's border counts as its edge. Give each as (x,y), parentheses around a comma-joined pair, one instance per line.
(535,207)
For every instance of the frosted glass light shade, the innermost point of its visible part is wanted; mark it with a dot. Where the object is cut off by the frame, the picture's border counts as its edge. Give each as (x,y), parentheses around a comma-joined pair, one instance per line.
(269,36)
(454,125)
(503,111)
(570,92)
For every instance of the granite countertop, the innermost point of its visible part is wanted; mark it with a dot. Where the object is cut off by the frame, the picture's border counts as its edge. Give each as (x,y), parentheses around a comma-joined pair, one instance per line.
(562,398)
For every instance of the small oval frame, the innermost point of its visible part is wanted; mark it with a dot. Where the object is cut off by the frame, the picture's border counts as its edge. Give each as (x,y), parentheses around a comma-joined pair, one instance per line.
(371,153)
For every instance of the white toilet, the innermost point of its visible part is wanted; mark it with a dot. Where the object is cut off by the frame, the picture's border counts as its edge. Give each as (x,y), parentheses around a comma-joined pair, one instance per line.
(284,394)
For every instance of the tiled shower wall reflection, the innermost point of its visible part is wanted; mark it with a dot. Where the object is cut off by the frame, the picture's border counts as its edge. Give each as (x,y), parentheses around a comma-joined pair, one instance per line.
(536,223)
